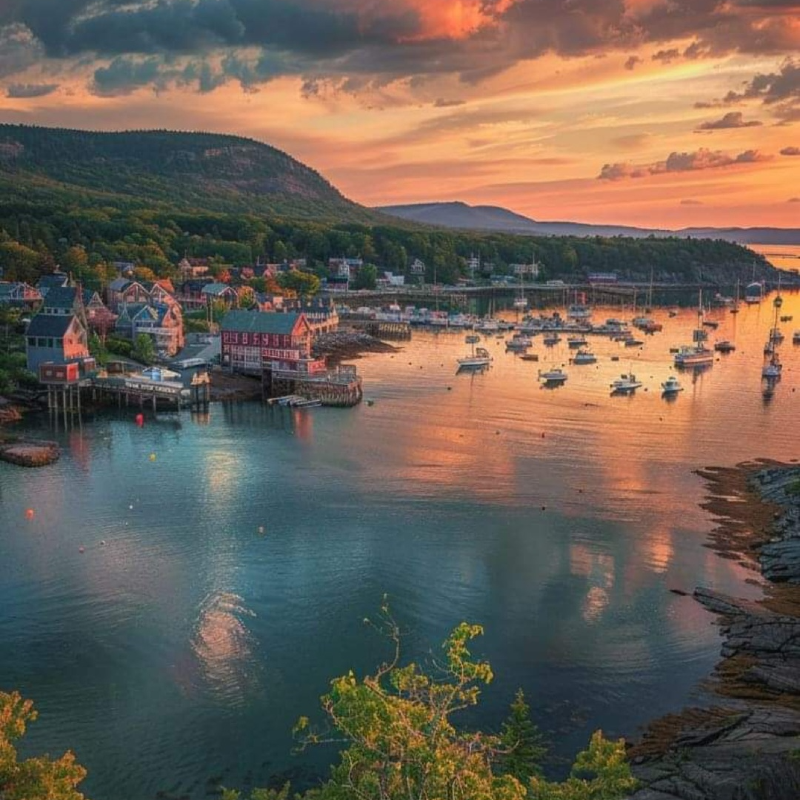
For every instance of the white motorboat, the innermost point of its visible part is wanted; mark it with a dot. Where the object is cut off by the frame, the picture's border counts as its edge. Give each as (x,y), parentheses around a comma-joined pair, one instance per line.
(584,357)
(518,342)
(671,385)
(575,342)
(579,311)
(754,292)
(554,377)
(625,384)
(551,338)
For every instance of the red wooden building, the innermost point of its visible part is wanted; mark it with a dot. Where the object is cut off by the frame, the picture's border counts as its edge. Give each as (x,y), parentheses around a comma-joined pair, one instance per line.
(253,341)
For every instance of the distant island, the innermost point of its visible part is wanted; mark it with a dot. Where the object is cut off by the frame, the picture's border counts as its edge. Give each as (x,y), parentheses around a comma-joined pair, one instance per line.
(494,218)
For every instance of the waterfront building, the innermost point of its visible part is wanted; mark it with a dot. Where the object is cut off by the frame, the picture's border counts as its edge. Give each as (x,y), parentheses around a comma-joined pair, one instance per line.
(55,339)
(254,341)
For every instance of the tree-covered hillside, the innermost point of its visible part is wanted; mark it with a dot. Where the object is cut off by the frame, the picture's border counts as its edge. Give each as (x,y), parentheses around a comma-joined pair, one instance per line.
(212,171)
(84,200)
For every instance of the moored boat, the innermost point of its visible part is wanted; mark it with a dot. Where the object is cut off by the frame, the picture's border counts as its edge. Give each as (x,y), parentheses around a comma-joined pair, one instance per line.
(671,386)
(625,384)
(584,357)
(724,346)
(553,377)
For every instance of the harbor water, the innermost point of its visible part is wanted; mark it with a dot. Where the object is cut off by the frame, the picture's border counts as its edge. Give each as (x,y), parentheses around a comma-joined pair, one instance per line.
(185,590)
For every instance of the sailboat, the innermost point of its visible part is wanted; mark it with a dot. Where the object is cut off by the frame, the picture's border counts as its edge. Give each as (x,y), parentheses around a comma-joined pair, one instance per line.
(478,359)
(735,307)
(697,354)
(772,369)
(521,302)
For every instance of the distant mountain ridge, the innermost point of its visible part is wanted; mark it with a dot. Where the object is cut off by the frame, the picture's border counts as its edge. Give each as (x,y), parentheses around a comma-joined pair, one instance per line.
(494,218)
(203,170)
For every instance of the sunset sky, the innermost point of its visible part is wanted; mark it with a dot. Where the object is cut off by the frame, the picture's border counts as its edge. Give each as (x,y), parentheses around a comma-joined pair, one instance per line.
(650,112)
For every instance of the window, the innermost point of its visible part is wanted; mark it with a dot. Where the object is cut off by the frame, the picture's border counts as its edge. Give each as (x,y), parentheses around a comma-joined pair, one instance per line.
(42,342)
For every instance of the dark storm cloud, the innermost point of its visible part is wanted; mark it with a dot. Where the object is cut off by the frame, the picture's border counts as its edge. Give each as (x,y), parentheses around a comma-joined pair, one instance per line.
(773,87)
(733,119)
(26,90)
(365,43)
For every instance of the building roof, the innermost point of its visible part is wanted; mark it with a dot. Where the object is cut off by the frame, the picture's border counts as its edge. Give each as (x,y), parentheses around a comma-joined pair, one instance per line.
(260,322)
(62,297)
(216,288)
(118,285)
(53,280)
(49,325)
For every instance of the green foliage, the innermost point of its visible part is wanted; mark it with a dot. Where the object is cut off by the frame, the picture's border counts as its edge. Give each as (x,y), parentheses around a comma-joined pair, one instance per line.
(143,349)
(13,363)
(522,744)
(98,349)
(38,778)
(259,794)
(87,199)
(303,283)
(601,772)
(402,742)
(367,277)
(119,347)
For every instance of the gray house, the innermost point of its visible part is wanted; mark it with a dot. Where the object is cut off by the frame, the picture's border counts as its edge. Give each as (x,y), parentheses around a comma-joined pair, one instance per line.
(56,338)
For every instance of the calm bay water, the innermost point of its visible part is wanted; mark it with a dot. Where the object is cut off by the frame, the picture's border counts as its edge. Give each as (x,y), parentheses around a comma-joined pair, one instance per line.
(183,643)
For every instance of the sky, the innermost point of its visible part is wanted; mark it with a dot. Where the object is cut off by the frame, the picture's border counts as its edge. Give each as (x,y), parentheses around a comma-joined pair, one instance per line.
(664,113)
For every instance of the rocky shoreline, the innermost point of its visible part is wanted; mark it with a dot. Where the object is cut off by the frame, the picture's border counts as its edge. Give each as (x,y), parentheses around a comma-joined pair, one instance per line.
(344,345)
(25,453)
(748,747)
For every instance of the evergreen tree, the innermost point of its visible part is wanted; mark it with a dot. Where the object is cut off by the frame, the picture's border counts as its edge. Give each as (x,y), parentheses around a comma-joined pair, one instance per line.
(523,747)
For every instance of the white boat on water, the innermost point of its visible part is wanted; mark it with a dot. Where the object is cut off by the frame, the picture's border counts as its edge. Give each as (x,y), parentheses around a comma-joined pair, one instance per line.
(625,384)
(796,337)
(772,369)
(479,359)
(671,386)
(754,292)
(551,338)
(579,312)
(518,342)
(694,356)
(487,325)
(553,377)
(697,354)
(577,341)
(584,357)
(776,334)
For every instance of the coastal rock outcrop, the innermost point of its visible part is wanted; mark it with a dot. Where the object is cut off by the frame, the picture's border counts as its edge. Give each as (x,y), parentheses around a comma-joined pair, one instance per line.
(750,748)
(30,454)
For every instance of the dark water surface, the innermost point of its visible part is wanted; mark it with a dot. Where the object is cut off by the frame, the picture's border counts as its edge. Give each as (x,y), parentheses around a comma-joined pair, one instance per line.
(185,647)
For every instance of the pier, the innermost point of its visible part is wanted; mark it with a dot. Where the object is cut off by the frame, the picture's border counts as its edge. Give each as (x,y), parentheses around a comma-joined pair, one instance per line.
(339,388)
(396,331)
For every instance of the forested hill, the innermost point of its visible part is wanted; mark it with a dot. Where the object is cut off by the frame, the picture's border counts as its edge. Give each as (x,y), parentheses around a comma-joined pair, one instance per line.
(198,170)
(85,200)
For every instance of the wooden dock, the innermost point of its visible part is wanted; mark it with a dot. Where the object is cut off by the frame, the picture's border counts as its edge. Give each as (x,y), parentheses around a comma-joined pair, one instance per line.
(339,388)
(398,331)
